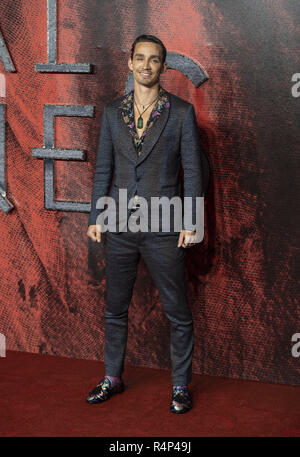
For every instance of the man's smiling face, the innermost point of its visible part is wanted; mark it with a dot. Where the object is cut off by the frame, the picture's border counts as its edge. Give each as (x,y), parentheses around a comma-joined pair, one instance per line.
(146,64)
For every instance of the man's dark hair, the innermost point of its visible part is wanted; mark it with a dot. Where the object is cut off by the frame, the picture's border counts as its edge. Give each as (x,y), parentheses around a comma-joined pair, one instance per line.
(152,39)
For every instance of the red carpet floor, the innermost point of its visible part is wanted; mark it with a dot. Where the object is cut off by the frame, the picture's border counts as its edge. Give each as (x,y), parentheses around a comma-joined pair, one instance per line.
(43,395)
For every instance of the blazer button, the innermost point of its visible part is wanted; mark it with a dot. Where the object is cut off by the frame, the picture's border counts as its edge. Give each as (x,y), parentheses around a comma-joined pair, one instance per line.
(138,179)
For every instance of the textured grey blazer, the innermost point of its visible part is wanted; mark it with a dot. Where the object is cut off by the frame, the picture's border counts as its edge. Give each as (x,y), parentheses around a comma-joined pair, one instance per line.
(171,142)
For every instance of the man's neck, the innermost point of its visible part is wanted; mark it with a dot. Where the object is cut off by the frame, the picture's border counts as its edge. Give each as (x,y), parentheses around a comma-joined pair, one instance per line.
(144,94)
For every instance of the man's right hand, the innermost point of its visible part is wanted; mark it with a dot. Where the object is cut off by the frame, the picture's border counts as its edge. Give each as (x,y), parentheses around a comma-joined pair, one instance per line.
(94,232)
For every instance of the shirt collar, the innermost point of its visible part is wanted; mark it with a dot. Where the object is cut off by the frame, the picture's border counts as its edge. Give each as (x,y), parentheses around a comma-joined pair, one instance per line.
(127,102)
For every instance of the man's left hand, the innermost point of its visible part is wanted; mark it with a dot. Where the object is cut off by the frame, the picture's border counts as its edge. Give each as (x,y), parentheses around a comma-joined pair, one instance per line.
(187,239)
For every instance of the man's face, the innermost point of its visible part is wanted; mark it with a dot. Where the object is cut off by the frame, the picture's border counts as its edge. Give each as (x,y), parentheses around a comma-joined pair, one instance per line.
(146,64)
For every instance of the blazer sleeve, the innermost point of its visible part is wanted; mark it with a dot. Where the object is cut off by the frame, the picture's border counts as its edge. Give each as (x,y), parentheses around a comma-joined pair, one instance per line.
(104,168)
(191,152)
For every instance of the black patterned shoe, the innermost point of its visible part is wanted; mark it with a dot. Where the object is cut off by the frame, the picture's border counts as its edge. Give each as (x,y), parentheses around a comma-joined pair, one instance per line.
(181,401)
(104,390)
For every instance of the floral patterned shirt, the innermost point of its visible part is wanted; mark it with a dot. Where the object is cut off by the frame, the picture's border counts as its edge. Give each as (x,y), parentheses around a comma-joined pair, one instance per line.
(128,116)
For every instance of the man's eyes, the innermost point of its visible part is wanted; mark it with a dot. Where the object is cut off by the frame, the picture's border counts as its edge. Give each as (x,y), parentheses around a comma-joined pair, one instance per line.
(153,60)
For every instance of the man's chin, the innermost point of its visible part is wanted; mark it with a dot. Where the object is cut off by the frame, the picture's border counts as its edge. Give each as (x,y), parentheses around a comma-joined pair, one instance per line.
(147,83)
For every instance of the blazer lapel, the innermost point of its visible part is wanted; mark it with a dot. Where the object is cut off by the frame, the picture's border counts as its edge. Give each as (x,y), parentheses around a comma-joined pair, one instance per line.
(153,134)
(125,139)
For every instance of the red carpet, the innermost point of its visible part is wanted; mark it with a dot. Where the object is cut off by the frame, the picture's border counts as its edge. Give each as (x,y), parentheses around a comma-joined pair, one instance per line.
(43,395)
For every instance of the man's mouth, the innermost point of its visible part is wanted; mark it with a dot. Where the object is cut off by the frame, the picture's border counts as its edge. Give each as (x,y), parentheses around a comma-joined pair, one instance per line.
(145,74)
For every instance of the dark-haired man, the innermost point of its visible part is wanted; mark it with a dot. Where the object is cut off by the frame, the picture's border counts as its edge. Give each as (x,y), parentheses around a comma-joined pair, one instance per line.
(145,136)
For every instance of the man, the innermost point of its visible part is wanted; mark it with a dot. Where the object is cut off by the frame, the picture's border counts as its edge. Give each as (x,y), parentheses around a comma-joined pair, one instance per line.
(145,136)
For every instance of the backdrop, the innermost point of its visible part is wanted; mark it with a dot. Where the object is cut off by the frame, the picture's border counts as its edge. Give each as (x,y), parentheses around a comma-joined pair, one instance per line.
(242,279)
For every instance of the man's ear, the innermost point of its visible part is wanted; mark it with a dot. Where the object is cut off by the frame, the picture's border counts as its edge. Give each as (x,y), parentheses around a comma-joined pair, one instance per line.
(130,63)
(164,67)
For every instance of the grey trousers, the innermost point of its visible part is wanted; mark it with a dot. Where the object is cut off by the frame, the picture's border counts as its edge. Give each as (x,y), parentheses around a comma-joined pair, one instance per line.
(165,261)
